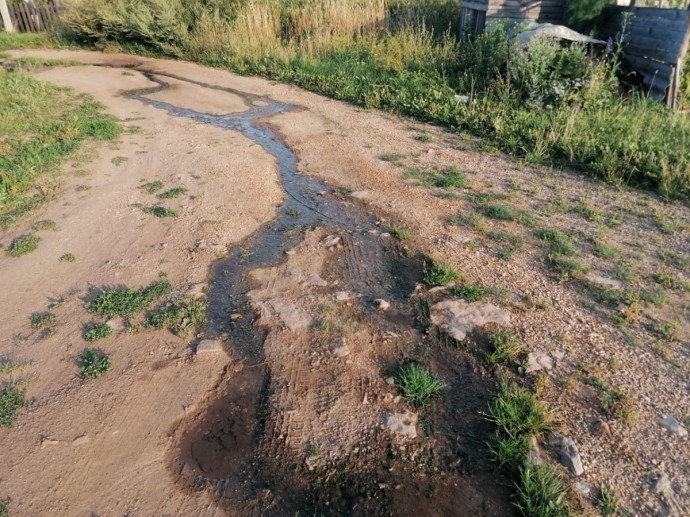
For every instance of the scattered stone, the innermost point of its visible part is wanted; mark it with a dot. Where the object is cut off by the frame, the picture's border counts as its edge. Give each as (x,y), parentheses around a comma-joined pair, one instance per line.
(315,280)
(293,317)
(558,355)
(569,454)
(402,424)
(381,304)
(360,194)
(209,346)
(536,456)
(582,488)
(385,235)
(611,283)
(537,361)
(390,381)
(116,324)
(196,291)
(674,426)
(332,241)
(235,316)
(290,252)
(663,486)
(311,462)
(342,296)
(81,440)
(203,245)
(600,428)
(47,442)
(457,317)
(339,348)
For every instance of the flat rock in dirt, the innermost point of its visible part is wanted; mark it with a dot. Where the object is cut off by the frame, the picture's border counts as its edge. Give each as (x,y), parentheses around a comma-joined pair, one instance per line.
(402,424)
(293,317)
(569,454)
(209,346)
(457,317)
(671,424)
(537,361)
(340,348)
(604,281)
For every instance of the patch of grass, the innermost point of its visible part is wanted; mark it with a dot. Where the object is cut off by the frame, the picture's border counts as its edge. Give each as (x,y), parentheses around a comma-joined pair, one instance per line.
(9,365)
(83,188)
(568,268)
(664,278)
(119,160)
(588,212)
(614,402)
(11,401)
(474,221)
(67,257)
(508,251)
(40,320)
(42,124)
(423,138)
(558,242)
(505,347)
(625,272)
(4,511)
(400,234)
(441,274)
(485,198)
(159,211)
(93,363)
(22,245)
(417,384)
(507,213)
(152,186)
(609,251)
(517,412)
(608,502)
(97,331)
(393,157)
(127,302)
(448,178)
(179,315)
(475,292)
(541,492)
(46,224)
(173,193)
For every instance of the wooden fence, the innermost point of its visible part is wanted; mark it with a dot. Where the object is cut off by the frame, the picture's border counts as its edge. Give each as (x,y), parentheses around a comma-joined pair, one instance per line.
(655,42)
(32,16)
(474,13)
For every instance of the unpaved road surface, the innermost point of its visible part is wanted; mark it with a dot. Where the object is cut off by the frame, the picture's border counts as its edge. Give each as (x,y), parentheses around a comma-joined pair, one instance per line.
(287,418)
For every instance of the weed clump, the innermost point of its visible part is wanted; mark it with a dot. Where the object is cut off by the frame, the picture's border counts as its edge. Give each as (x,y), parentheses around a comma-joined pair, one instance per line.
(400,233)
(46,224)
(417,384)
(505,346)
(159,211)
(23,245)
(11,401)
(40,320)
(67,257)
(442,274)
(173,193)
(97,331)
(179,315)
(93,364)
(152,186)
(126,302)
(559,243)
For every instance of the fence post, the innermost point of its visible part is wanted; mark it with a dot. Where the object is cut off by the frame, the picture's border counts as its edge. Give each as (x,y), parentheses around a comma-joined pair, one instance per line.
(5,15)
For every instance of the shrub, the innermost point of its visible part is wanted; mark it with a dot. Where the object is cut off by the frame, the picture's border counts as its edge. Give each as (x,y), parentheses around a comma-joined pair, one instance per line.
(97,331)
(11,401)
(93,364)
(417,384)
(23,245)
(127,302)
(441,274)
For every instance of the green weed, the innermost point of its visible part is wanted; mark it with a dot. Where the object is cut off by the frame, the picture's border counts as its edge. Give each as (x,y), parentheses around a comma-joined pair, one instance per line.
(516,412)
(173,193)
(159,211)
(179,315)
(393,157)
(23,245)
(40,320)
(507,213)
(119,160)
(93,364)
(97,331)
(448,178)
(417,384)
(11,401)
(441,274)
(46,224)
(127,302)
(152,186)
(423,138)
(67,257)
(568,267)
(400,234)
(541,492)
(475,292)
(558,242)
(505,347)
(608,502)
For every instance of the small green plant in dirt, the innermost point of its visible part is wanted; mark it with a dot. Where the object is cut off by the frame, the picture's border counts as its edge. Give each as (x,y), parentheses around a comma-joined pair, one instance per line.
(517,412)
(41,320)
(152,186)
(664,278)
(4,511)
(400,233)
(614,402)
(392,157)
(11,401)
(173,193)
(93,363)
(485,198)
(97,331)
(541,492)
(601,249)
(448,178)
(127,302)
(441,274)
(23,245)
(159,211)
(475,292)
(505,347)
(507,213)
(417,384)
(625,272)
(558,242)
(588,212)
(67,257)
(474,221)
(9,365)
(179,315)
(423,138)
(119,160)
(567,268)
(608,502)
(83,188)
(46,224)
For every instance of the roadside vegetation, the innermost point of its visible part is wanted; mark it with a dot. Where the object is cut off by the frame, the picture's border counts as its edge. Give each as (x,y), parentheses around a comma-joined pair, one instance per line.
(41,124)
(546,103)
(93,364)
(11,401)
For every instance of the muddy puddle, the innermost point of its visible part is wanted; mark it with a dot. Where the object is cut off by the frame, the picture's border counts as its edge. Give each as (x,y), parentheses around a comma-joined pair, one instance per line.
(295,425)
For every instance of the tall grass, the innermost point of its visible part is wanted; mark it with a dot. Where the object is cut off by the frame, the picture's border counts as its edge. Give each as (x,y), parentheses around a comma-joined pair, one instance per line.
(547,103)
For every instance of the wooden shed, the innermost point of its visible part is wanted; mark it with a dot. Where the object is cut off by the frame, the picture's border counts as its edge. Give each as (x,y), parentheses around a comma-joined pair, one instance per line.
(474,13)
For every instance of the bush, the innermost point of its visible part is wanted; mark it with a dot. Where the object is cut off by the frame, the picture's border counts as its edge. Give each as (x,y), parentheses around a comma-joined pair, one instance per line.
(93,364)
(417,384)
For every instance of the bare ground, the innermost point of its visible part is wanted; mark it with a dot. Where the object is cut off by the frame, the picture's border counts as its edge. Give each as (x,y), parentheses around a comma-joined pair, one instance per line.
(137,441)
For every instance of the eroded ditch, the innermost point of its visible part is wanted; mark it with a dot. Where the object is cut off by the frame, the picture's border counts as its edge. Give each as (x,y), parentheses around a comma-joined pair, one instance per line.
(294,427)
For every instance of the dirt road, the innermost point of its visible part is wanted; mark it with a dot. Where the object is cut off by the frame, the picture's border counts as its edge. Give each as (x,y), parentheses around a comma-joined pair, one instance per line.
(286,226)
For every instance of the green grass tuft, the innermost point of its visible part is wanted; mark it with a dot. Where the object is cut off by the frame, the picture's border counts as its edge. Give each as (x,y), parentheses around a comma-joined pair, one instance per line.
(151,187)
(23,245)
(392,157)
(179,315)
(40,320)
(173,193)
(97,331)
(11,401)
(442,274)
(505,346)
(400,233)
(417,384)
(93,364)
(558,242)
(127,302)
(423,138)
(67,257)
(46,224)
(159,211)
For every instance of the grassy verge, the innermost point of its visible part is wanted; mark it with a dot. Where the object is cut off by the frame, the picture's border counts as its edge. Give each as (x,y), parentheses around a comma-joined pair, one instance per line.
(40,126)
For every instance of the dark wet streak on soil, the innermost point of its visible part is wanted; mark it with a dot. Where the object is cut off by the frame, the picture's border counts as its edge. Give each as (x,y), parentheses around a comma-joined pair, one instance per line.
(218,451)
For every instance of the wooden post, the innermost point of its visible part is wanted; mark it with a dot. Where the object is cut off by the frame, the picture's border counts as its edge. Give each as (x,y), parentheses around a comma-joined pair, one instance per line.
(5,15)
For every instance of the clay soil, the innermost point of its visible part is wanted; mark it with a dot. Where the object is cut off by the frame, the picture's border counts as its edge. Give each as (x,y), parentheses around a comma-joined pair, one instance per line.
(279,422)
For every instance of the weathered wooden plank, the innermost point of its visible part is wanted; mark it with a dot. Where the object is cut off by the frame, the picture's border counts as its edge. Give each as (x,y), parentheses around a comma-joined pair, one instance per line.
(663,56)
